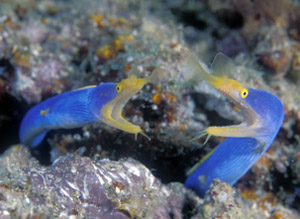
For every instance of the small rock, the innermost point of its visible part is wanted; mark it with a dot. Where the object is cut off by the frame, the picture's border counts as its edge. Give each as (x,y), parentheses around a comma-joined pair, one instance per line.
(220,202)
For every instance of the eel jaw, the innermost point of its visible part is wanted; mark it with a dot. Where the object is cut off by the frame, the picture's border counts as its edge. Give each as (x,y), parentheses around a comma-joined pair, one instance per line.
(111,113)
(231,89)
(252,126)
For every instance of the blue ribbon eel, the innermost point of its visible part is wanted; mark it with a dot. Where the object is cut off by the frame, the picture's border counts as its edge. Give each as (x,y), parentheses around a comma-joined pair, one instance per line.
(84,106)
(245,143)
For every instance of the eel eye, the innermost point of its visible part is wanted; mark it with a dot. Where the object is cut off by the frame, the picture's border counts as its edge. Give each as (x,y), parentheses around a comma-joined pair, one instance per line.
(119,88)
(244,93)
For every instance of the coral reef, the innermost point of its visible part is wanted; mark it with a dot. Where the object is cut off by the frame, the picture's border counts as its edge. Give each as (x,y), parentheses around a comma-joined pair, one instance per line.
(77,186)
(220,202)
(49,47)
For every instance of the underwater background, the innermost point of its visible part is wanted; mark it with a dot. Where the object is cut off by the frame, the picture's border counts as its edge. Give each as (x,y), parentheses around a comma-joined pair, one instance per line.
(51,47)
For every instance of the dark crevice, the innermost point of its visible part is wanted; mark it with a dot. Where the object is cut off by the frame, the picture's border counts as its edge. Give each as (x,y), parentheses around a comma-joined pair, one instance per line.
(212,116)
(190,18)
(10,118)
(285,181)
(7,70)
(189,206)
(165,163)
(232,19)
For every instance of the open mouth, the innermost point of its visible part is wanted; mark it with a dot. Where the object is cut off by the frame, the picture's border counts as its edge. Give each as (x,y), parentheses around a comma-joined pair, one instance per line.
(111,113)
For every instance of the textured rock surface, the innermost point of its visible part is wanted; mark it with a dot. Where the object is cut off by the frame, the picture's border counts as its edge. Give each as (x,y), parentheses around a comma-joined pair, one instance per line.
(220,202)
(78,186)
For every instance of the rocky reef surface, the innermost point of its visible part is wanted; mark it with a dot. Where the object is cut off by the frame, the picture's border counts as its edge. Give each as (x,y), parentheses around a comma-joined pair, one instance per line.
(49,47)
(76,186)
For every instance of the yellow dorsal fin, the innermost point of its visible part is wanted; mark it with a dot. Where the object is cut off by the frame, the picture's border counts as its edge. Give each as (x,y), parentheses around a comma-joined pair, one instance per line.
(159,75)
(190,171)
(223,66)
(134,72)
(195,69)
(86,87)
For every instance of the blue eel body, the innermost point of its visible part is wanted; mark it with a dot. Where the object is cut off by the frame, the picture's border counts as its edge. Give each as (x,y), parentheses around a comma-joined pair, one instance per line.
(84,106)
(68,110)
(245,143)
(234,156)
